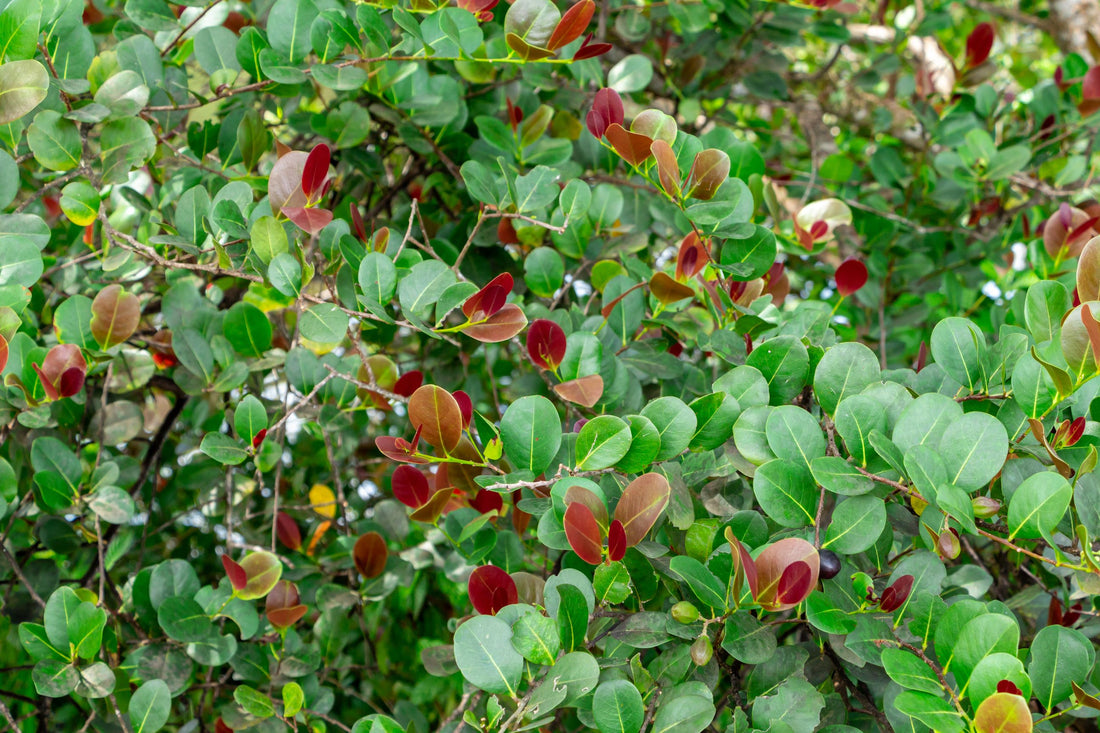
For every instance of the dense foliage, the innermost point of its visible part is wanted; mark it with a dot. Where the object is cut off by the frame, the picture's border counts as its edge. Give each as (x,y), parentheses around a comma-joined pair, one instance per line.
(632,366)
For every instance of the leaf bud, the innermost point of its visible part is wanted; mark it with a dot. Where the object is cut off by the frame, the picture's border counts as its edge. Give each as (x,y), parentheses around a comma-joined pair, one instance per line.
(985,507)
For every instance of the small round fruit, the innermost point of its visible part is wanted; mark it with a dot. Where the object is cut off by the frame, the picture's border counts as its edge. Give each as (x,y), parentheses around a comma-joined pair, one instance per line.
(830,564)
(685,613)
(701,651)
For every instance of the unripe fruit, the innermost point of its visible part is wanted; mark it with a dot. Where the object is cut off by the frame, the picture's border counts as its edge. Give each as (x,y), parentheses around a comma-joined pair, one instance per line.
(701,651)
(685,613)
(830,564)
(985,507)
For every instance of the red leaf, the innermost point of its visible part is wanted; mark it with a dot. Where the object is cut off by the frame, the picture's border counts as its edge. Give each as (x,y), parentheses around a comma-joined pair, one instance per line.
(4,353)
(491,589)
(465,406)
(490,299)
(71,382)
(616,541)
(572,24)
(370,554)
(284,618)
(515,114)
(286,529)
(221,727)
(408,383)
(501,326)
(895,595)
(641,505)
(922,357)
(397,449)
(632,147)
(583,533)
(258,438)
(235,572)
(794,584)
(520,518)
(979,43)
(1009,687)
(316,170)
(1076,431)
(607,109)
(545,344)
(357,224)
(692,257)
(506,232)
(583,391)
(410,487)
(487,501)
(589,50)
(1090,86)
(850,276)
(308,220)
(772,567)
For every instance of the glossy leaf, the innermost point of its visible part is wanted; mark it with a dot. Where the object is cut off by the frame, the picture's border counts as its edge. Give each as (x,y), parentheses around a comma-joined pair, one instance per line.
(583,391)
(491,589)
(641,505)
(546,344)
(583,533)
(115,316)
(370,554)
(434,412)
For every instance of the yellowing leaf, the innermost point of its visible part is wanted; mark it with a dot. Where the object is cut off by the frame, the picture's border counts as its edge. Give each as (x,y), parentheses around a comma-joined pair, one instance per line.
(323,500)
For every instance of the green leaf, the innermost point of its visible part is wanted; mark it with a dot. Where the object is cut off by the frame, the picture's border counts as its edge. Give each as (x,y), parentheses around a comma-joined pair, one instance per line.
(268,239)
(909,671)
(794,435)
(602,442)
(255,703)
(611,583)
(53,678)
(285,274)
(485,655)
(684,714)
(182,619)
(290,36)
(617,706)
(247,329)
(1032,387)
(19,29)
(60,608)
(421,287)
(715,415)
(1059,656)
(845,369)
(747,640)
(700,580)
(23,84)
(785,364)
(293,698)
(796,703)
(324,323)
(194,353)
(536,637)
(933,711)
(633,73)
(856,524)
(786,492)
(150,707)
(224,449)
(837,476)
(531,433)
(249,418)
(1038,505)
(544,272)
(1045,304)
(125,144)
(377,278)
(958,346)
(54,141)
(675,423)
(572,614)
(973,448)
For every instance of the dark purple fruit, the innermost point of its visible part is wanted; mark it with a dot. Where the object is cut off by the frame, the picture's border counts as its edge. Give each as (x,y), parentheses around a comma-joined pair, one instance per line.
(830,564)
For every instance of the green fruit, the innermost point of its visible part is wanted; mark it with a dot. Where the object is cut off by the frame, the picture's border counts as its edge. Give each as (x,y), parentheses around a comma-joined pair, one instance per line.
(685,613)
(701,651)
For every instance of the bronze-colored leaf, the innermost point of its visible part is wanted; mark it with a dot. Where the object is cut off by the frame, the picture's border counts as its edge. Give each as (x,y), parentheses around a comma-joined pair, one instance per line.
(583,391)
(310,220)
(430,512)
(656,125)
(436,414)
(774,561)
(370,554)
(709,170)
(501,326)
(633,147)
(115,316)
(668,170)
(583,533)
(572,24)
(590,500)
(284,185)
(381,371)
(463,475)
(525,50)
(641,505)
(1088,271)
(1003,712)
(667,290)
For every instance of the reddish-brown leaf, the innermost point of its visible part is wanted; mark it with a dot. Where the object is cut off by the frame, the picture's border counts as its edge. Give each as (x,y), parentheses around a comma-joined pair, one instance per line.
(616,541)
(1008,686)
(233,570)
(434,411)
(850,276)
(979,43)
(607,109)
(709,170)
(572,24)
(370,554)
(794,584)
(284,618)
(501,326)
(1090,85)
(408,383)
(115,316)
(221,727)
(583,391)
(284,185)
(491,589)
(286,529)
(667,290)
(410,487)
(383,372)
(583,533)
(1077,427)
(691,258)
(545,344)
(668,170)
(594,503)
(465,406)
(1003,712)
(284,594)
(631,146)
(506,232)
(482,9)
(397,449)
(315,170)
(357,224)
(894,595)
(609,306)
(772,563)
(62,371)
(488,501)
(430,512)
(489,299)
(641,505)
(4,352)
(309,220)
(590,50)
(520,518)
(515,114)
(743,564)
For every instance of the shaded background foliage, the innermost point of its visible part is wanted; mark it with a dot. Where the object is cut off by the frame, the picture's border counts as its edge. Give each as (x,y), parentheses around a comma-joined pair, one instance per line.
(243,241)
